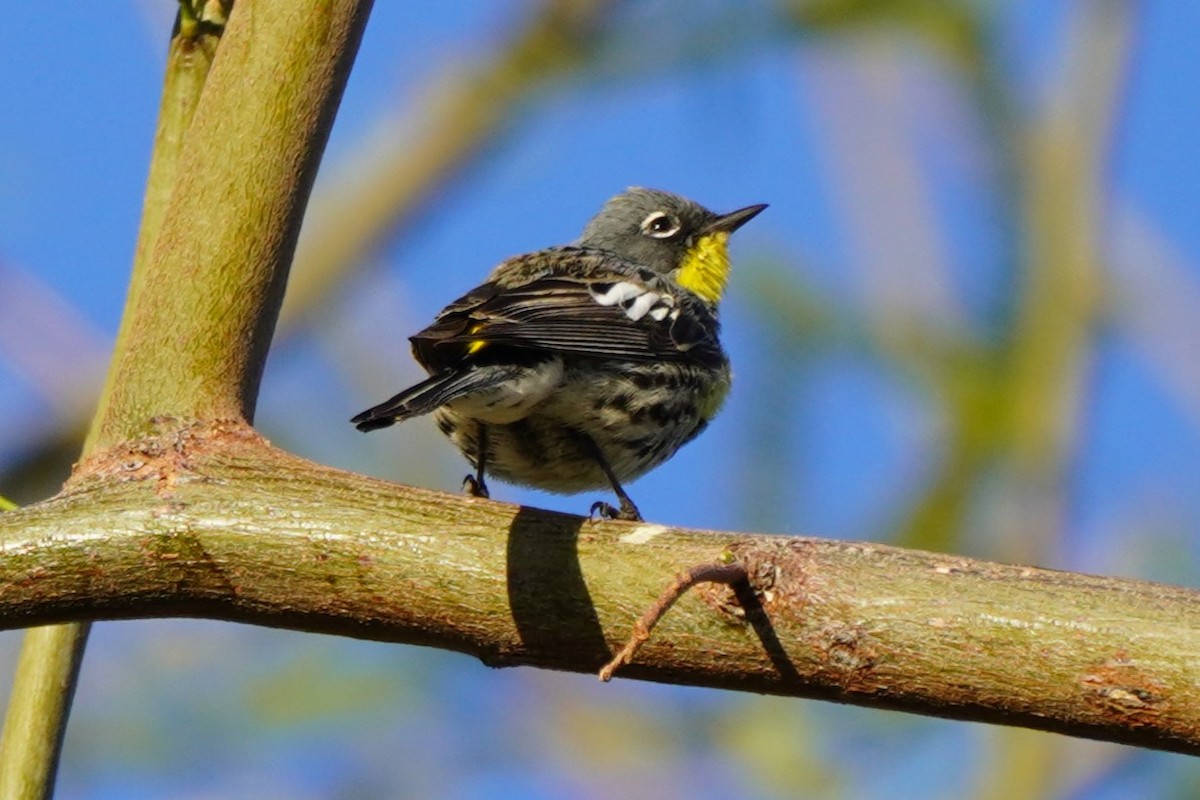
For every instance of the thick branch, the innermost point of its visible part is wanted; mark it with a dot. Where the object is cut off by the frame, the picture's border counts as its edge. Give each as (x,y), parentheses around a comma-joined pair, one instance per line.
(236,154)
(44,684)
(213,522)
(195,333)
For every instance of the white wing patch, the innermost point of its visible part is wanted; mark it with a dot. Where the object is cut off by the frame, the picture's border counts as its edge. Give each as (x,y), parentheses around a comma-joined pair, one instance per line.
(641,305)
(617,293)
(637,301)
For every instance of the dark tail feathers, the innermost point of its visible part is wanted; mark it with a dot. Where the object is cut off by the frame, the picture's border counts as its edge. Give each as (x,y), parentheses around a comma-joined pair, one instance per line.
(434,391)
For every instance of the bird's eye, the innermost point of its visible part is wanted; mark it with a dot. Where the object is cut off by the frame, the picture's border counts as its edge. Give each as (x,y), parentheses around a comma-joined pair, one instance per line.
(660,225)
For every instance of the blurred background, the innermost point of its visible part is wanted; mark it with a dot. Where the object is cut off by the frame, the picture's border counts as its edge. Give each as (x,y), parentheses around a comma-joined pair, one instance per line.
(968,322)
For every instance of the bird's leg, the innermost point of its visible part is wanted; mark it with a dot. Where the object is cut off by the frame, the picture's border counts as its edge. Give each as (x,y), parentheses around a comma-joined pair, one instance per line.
(474,485)
(627,511)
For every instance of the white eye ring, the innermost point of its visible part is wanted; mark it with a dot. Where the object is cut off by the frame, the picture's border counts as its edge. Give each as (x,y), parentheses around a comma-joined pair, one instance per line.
(660,225)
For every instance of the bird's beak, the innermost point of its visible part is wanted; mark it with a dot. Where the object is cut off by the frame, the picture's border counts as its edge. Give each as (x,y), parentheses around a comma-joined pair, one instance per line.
(728,223)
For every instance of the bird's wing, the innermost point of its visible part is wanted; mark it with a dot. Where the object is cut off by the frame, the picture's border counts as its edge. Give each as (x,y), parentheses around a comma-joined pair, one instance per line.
(601,313)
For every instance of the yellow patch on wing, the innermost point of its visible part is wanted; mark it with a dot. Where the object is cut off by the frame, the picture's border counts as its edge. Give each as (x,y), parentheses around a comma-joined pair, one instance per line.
(477,345)
(705,270)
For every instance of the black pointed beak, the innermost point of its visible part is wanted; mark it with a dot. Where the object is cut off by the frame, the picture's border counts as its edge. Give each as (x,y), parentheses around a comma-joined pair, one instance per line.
(728,223)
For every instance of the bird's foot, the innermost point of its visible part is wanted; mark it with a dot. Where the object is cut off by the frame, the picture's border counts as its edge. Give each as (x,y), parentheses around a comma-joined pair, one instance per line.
(628,511)
(475,487)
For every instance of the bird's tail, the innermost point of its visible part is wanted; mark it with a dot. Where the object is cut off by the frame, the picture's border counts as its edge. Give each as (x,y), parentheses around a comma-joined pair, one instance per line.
(434,391)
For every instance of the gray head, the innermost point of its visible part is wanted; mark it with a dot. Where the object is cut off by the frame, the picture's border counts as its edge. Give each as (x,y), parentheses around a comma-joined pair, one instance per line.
(670,234)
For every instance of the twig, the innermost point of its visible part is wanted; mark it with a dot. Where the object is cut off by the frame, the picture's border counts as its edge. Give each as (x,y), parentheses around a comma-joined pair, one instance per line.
(732,575)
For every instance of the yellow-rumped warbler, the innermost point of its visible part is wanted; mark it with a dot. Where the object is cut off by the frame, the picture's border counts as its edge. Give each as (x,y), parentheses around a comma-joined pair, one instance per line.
(584,365)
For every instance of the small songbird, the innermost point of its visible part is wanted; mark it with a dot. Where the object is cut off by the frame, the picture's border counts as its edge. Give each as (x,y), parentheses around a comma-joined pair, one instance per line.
(583,366)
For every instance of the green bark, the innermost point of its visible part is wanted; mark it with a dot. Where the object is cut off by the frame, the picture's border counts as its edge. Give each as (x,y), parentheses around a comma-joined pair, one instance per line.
(210,521)
(237,149)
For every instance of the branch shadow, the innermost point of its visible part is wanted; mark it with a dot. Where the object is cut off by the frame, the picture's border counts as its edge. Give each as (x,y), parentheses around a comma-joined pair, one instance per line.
(760,621)
(547,594)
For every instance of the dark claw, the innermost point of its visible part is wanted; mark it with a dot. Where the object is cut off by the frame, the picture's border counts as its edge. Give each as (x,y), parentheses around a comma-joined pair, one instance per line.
(475,488)
(602,510)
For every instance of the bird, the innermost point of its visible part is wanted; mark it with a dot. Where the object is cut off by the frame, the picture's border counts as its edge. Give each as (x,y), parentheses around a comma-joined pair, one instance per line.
(583,366)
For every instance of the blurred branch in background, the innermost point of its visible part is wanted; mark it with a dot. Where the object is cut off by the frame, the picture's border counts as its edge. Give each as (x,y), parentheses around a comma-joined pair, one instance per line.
(1155,297)
(402,163)
(62,362)
(59,355)
(1012,396)
(1058,311)
(1015,401)
(896,246)
(912,319)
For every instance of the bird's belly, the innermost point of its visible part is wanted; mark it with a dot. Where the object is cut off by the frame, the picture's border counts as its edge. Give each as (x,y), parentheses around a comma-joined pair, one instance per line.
(638,418)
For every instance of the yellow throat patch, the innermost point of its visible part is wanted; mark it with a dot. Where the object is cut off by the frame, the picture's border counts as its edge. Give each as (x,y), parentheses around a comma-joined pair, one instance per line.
(705,270)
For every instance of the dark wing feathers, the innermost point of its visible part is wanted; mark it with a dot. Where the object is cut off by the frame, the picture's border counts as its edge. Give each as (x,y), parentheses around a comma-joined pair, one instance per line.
(561,314)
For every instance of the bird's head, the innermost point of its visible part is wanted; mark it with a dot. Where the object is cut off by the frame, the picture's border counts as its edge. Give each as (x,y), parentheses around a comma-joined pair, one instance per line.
(670,234)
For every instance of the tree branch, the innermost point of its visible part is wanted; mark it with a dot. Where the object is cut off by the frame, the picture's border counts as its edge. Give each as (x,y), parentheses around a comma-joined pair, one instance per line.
(48,670)
(236,155)
(210,521)
(229,230)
